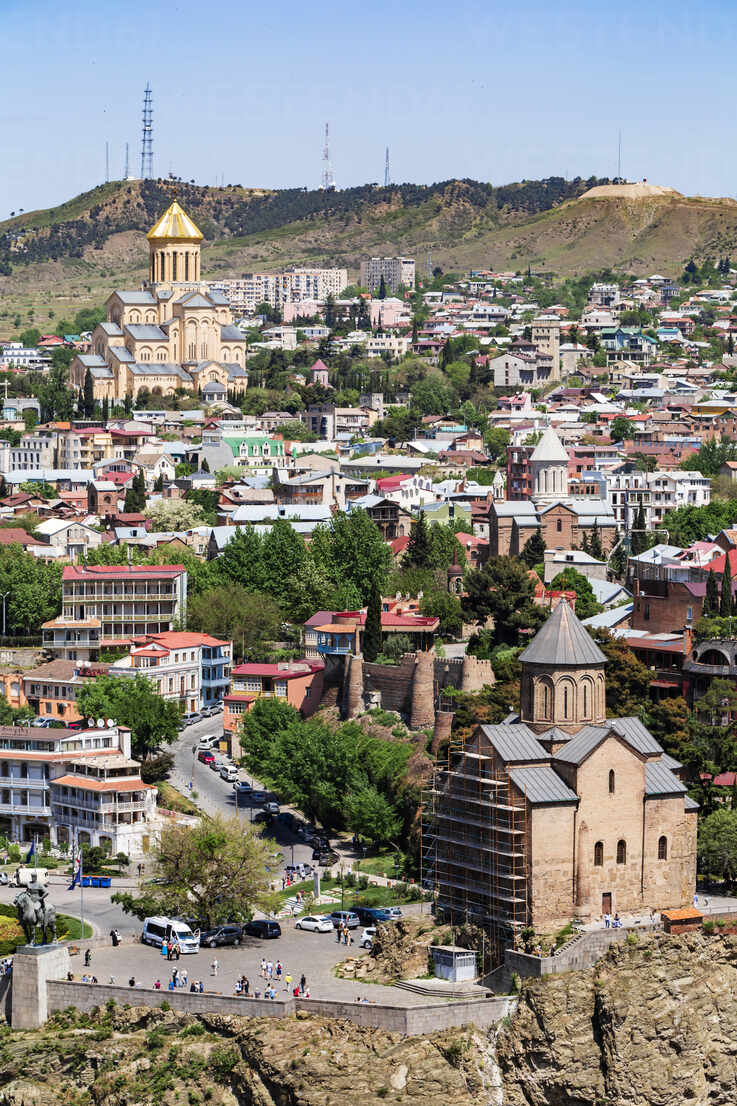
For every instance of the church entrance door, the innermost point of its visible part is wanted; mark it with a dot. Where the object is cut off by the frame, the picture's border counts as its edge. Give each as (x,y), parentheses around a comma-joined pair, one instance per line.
(606,902)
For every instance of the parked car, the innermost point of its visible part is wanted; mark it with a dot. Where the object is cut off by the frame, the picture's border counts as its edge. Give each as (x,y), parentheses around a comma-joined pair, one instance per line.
(222,935)
(394,911)
(242,787)
(346,917)
(372,915)
(325,857)
(216,764)
(210,709)
(298,871)
(229,772)
(316,924)
(206,756)
(49,723)
(208,742)
(262,927)
(258,796)
(271,808)
(367,937)
(156,929)
(189,719)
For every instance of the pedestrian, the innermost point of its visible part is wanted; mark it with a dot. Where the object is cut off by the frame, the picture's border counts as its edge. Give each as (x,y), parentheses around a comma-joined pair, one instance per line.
(177,949)
(307,993)
(193,987)
(338,933)
(269,969)
(201,988)
(345,935)
(263,968)
(214,967)
(157,985)
(132,981)
(287,981)
(87,957)
(171,985)
(174,975)
(114,938)
(302,983)
(140,869)
(607,921)
(295,992)
(165,948)
(278,969)
(183,977)
(246,986)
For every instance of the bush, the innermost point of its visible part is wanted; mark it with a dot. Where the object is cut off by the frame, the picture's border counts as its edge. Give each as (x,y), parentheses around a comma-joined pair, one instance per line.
(14,853)
(708,926)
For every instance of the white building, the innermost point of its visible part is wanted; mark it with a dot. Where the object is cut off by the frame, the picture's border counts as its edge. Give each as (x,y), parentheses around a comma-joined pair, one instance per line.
(656,492)
(69,785)
(396,345)
(276,289)
(191,669)
(397,272)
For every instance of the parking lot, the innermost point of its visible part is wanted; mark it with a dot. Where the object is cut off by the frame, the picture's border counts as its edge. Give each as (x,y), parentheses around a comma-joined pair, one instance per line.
(315,954)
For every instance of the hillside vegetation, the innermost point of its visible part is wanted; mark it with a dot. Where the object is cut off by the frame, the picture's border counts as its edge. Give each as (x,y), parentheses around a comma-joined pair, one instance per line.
(72,255)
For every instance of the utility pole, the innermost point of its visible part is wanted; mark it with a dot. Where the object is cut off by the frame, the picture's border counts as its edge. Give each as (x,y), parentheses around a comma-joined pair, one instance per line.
(387,179)
(4,596)
(126,174)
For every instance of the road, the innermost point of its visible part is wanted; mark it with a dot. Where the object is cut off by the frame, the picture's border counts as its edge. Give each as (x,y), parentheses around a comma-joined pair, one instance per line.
(215,796)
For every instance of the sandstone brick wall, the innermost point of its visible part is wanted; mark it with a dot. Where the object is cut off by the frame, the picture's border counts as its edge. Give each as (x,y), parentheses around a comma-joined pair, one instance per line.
(393,681)
(550,852)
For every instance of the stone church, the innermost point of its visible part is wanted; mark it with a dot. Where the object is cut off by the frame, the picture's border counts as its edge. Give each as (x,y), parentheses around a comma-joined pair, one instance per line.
(559,813)
(172,334)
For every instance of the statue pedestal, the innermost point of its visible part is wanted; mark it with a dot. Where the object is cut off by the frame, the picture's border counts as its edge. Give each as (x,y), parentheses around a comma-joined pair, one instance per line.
(33,967)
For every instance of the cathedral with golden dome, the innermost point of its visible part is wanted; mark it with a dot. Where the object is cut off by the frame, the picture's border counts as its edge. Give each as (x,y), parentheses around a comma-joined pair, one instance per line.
(172,334)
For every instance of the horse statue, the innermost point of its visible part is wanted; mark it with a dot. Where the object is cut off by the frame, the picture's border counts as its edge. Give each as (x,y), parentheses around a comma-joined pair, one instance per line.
(34,911)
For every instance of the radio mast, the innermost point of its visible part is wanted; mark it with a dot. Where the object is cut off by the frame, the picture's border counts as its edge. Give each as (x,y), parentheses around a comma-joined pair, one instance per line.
(147,136)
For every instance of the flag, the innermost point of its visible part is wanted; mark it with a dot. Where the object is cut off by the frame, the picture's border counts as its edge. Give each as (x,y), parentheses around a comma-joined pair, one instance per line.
(77,871)
(30,853)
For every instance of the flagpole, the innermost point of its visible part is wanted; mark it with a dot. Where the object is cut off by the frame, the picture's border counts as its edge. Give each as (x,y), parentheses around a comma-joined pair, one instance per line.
(81,892)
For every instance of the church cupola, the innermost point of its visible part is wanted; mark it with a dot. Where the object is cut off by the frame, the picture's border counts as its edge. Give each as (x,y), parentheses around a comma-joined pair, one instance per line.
(562,676)
(174,248)
(549,468)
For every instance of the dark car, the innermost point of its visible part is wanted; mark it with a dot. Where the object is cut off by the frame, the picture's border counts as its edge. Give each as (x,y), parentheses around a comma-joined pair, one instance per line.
(325,857)
(222,935)
(373,915)
(261,927)
(347,918)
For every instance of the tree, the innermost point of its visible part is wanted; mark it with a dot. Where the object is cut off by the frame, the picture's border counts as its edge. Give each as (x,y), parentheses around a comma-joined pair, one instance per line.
(382,288)
(351,551)
(283,557)
(496,441)
(33,590)
(88,395)
(502,590)
(135,494)
(725,604)
(159,483)
(216,871)
(639,536)
(711,598)
(571,580)
(717,844)
(595,547)
(371,814)
(627,678)
(621,429)
(418,554)
(174,514)
(372,629)
(445,606)
(240,562)
(533,552)
(250,620)
(132,701)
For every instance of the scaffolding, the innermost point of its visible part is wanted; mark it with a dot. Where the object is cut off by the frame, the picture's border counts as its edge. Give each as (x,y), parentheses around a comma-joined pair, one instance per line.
(474,844)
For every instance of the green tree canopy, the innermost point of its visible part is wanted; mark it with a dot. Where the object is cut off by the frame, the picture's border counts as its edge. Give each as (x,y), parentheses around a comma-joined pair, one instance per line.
(533,552)
(502,590)
(132,701)
(621,429)
(372,629)
(717,843)
(351,550)
(570,580)
(251,620)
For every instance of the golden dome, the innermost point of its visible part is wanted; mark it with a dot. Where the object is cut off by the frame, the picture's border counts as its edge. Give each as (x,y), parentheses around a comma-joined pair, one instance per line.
(175,224)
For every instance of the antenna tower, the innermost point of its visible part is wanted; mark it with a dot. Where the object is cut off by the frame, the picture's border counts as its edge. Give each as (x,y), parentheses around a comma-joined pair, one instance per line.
(147,136)
(619,157)
(328,180)
(107,162)
(126,174)
(387,179)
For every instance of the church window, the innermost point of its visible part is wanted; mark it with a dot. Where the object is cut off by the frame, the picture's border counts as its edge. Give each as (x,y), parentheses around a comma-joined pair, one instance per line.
(559,525)
(186,266)
(585,701)
(174,266)
(598,854)
(546,701)
(663,848)
(565,702)
(621,852)
(611,781)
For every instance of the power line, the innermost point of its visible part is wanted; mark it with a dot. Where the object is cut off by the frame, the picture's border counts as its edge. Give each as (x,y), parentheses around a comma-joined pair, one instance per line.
(147,136)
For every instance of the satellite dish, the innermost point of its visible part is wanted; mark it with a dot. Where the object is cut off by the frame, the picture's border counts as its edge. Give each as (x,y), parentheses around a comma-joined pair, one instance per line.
(91,723)
(110,723)
(101,723)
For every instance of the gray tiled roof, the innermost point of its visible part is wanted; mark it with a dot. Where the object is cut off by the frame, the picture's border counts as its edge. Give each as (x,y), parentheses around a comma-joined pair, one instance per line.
(670,762)
(146,331)
(101,372)
(120,353)
(91,360)
(135,297)
(562,640)
(636,735)
(514,742)
(690,804)
(111,329)
(659,780)
(230,333)
(540,784)
(585,741)
(195,299)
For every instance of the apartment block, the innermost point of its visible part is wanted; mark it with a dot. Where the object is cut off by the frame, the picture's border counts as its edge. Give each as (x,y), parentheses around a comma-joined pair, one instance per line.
(126,600)
(190,668)
(74,785)
(397,272)
(290,286)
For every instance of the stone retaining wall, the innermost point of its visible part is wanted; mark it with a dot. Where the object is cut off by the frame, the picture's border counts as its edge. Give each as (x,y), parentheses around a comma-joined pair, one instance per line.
(407,1020)
(583,951)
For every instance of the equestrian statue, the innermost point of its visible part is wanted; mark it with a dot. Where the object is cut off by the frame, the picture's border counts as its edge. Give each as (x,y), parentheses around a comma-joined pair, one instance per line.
(33,910)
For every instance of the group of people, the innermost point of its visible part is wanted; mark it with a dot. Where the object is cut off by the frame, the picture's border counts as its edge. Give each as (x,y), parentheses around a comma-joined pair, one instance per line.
(342,933)
(275,972)
(613,922)
(6,965)
(172,950)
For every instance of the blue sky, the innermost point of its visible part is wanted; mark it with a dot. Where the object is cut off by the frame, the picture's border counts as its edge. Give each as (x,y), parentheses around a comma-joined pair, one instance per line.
(490,91)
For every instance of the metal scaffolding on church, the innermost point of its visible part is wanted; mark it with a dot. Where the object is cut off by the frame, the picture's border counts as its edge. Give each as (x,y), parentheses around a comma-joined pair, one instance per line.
(474,844)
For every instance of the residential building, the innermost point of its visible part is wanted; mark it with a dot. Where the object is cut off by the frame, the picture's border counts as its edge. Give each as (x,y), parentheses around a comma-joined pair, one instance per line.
(296,285)
(546,339)
(628,490)
(51,689)
(75,786)
(190,668)
(68,538)
(391,345)
(398,272)
(298,683)
(127,600)
(559,812)
(328,421)
(339,633)
(628,344)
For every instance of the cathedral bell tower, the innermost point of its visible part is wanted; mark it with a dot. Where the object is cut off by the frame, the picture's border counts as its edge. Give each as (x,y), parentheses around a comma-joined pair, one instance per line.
(174,248)
(562,676)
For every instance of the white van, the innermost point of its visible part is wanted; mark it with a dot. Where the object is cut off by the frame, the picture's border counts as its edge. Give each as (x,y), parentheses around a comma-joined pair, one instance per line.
(229,773)
(23,876)
(156,929)
(210,742)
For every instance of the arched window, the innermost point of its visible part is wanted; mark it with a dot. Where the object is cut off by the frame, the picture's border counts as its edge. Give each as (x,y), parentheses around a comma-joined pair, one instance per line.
(546,701)
(662,848)
(621,852)
(611,781)
(598,854)
(565,702)
(585,701)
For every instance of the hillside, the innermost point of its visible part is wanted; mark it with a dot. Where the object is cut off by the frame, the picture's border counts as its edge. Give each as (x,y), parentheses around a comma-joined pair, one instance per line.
(67,257)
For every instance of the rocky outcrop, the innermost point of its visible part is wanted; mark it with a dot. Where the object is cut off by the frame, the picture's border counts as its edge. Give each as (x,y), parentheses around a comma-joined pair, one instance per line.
(653,1024)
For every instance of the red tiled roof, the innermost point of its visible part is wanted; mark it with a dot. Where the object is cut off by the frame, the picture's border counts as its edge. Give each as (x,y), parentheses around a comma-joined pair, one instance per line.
(121,572)
(14,535)
(87,783)
(256,669)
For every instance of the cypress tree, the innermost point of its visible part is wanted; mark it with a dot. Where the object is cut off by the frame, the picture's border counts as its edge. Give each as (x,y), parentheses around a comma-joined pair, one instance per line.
(382,288)
(725,606)
(419,553)
(533,552)
(639,537)
(585,543)
(595,547)
(711,598)
(372,629)
(88,395)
